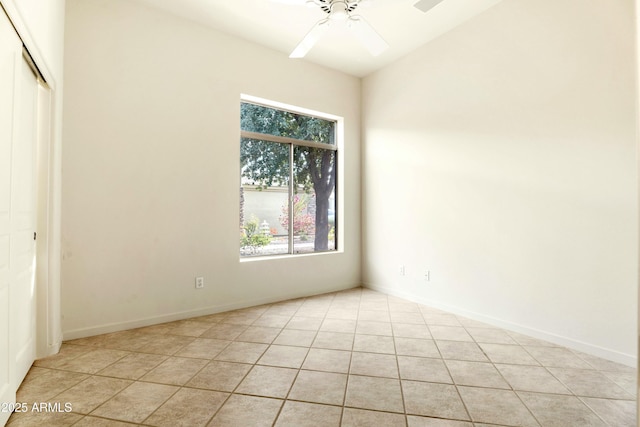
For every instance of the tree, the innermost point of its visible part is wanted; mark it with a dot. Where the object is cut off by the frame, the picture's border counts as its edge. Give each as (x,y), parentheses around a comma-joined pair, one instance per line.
(266,164)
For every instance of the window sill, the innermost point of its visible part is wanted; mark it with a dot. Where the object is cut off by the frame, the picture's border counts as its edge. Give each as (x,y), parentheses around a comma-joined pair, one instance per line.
(288,256)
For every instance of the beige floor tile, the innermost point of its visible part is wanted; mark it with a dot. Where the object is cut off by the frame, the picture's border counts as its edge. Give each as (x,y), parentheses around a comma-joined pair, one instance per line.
(67,352)
(619,413)
(314,312)
(414,421)
(407,330)
(374,316)
(560,411)
(401,305)
(325,359)
(259,334)
(166,344)
(224,331)
(472,323)
(203,348)
(352,417)
(338,325)
(40,419)
(423,369)
(416,347)
(589,383)
(450,333)
(220,376)
(242,352)
(124,340)
(281,310)
(247,411)
(508,354)
(532,378)
(414,318)
(380,394)
(374,305)
(91,393)
(433,400)
(477,374)
(188,408)
(527,340)
(133,366)
(272,321)
(490,335)
(93,361)
(284,356)
(268,381)
(457,350)
(302,414)
(342,313)
(440,319)
(319,387)
(304,323)
(295,337)
(188,327)
(136,402)
(374,365)
(320,359)
(374,344)
(626,380)
(334,341)
(557,357)
(373,328)
(175,371)
(605,365)
(240,319)
(495,406)
(42,384)
(90,421)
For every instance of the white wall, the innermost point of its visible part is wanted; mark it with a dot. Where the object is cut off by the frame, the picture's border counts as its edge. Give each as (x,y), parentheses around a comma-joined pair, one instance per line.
(151,169)
(517,133)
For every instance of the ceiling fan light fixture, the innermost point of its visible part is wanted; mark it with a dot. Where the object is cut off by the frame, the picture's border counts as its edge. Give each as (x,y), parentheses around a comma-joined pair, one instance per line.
(339,11)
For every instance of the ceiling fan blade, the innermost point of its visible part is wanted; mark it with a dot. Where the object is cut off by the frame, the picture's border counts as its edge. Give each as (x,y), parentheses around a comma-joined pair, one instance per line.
(426,5)
(310,39)
(364,32)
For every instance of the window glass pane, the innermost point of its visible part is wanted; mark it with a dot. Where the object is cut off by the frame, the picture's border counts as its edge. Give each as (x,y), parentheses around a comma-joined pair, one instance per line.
(264,197)
(314,206)
(258,118)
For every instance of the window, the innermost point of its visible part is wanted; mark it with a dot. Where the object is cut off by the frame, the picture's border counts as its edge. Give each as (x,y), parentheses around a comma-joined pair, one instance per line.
(288,178)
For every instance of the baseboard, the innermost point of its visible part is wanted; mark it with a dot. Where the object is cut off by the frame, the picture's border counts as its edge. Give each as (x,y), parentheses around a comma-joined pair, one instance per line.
(180,315)
(605,353)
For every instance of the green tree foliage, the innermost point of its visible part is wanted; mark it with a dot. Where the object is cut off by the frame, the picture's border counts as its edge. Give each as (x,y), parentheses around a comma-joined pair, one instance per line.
(252,237)
(266,164)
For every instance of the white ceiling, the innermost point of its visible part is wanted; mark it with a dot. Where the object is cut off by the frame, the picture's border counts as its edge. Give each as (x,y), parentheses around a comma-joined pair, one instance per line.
(281,26)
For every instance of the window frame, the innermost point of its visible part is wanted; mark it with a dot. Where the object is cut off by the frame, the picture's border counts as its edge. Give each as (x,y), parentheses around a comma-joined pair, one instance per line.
(336,147)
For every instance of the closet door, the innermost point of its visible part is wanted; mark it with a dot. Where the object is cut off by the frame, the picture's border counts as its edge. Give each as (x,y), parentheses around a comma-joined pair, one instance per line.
(10,48)
(22,257)
(18,126)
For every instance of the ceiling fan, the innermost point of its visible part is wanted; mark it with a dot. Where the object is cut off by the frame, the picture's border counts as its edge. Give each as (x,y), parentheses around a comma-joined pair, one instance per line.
(341,11)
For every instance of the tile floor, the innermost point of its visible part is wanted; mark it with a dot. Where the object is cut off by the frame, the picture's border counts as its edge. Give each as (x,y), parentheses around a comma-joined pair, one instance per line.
(352,358)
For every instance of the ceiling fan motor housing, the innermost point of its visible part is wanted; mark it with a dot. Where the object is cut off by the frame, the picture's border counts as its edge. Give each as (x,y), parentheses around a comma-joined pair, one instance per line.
(339,8)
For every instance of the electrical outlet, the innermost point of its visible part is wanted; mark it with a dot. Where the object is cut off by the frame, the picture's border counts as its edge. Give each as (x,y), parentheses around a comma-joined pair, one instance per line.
(401,270)
(199,282)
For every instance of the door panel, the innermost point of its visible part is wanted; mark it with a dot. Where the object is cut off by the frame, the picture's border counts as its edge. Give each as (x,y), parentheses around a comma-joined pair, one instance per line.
(18,137)
(23,221)
(9,48)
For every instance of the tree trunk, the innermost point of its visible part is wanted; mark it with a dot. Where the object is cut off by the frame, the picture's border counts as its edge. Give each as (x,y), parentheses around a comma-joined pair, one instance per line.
(321,242)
